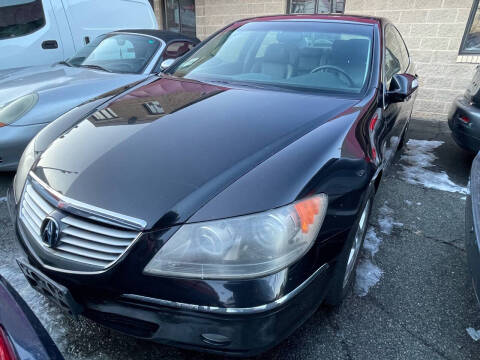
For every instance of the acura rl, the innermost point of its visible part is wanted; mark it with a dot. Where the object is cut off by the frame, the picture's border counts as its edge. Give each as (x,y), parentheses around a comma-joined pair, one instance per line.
(216,206)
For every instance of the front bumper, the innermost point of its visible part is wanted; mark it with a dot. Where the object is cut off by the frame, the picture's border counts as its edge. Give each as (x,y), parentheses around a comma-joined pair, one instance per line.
(467,136)
(243,332)
(14,141)
(241,318)
(233,331)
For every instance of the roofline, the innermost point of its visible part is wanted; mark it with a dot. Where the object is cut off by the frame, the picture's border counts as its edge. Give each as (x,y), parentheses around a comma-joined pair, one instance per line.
(362,19)
(175,36)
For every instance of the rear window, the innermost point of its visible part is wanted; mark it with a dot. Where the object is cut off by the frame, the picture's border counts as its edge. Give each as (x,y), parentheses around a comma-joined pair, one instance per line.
(20,17)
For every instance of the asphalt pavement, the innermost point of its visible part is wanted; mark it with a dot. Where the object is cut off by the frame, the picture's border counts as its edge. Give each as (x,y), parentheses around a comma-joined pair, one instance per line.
(419,309)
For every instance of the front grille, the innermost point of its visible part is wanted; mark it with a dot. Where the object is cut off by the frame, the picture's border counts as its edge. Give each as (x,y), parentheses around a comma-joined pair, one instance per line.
(81,240)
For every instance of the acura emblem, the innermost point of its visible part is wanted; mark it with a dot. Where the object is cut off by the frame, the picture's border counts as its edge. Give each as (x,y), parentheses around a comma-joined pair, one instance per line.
(50,232)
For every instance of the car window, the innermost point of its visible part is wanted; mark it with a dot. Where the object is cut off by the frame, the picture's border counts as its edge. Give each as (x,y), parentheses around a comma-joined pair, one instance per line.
(230,49)
(392,64)
(112,49)
(177,49)
(269,39)
(320,56)
(20,17)
(123,53)
(396,54)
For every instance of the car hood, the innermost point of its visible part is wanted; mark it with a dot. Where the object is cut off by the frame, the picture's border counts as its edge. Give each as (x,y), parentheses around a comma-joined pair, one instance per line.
(165,149)
(59,87)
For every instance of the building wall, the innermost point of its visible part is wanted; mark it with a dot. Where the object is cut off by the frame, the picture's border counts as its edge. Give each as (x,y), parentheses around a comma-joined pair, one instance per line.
(433,30)
(215,14)
(157,8)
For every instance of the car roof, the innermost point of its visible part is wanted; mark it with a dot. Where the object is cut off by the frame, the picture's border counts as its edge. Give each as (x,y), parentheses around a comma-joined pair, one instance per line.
(308,17)
(167,36)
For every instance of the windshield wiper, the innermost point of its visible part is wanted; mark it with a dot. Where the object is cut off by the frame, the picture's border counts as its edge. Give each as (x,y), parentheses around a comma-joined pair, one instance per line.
(65,63)
(96,67)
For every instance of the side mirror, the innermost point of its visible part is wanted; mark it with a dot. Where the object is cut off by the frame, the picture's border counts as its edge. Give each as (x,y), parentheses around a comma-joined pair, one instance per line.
(402,87)
(166,64)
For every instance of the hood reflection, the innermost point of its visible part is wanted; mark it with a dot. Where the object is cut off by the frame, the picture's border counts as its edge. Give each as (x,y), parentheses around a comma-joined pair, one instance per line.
(153,101)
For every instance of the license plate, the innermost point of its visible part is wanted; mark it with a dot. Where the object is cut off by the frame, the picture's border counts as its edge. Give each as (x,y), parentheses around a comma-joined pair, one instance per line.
(52,290)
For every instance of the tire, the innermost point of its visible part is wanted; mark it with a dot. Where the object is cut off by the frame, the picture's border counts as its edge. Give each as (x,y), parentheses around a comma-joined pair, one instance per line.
(341,282)
(403,141)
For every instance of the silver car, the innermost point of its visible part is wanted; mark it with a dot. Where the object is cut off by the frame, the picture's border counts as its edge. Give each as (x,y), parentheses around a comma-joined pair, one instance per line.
(30,98)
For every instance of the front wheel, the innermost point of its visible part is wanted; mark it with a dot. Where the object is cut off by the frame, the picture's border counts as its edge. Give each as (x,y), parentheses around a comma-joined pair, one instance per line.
(343,274)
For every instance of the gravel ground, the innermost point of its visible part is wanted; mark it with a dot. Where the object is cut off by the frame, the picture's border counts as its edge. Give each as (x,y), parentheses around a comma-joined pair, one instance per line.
(419,308)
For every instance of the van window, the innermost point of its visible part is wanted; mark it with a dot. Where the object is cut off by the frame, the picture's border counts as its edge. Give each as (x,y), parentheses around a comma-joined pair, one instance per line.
(20,17)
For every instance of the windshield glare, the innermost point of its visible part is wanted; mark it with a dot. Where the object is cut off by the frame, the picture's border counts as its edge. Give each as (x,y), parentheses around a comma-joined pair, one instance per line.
(120,53)
(314,55)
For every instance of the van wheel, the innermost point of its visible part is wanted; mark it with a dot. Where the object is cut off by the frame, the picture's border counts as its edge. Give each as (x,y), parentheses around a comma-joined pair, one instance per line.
(344,272)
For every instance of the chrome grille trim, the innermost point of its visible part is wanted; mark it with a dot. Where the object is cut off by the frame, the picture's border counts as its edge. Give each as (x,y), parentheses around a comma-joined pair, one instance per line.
(83,241)
(85,210)
(100,229)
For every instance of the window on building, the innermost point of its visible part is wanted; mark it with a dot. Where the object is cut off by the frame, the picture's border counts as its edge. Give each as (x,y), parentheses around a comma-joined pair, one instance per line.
(20,17)
(316,6)
(179,16)
(471,38)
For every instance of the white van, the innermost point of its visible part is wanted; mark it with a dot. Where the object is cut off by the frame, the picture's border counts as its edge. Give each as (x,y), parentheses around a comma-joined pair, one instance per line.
(41,32)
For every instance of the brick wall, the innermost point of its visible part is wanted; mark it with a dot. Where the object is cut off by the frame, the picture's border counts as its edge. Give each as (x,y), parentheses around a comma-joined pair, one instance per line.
(433,30)
(215,14)
(157,8)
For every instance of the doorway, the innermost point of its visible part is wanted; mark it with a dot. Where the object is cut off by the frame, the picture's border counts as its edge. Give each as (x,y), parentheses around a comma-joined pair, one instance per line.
(179,16)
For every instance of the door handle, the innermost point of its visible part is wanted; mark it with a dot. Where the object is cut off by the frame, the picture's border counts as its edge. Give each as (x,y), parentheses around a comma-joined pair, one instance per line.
(50,44)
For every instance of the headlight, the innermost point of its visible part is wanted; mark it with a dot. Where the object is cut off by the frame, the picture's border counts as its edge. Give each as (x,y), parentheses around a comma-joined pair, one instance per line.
(243,247)
(24,166)
(17,108)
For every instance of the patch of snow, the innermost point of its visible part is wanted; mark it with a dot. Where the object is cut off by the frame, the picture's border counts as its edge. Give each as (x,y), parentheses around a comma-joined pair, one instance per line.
(385,220)
(419,203)
(418,158)
(3,199)
(368,275)
(408,202)
(372,242)
(463,198)
(474,334)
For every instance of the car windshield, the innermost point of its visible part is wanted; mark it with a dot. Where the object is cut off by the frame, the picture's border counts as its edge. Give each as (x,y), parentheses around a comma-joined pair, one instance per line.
(303,55)
(119,53)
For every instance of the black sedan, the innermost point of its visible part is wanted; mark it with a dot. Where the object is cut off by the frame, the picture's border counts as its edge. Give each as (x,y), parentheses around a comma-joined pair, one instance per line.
(464,117)
(22,336)
(217,206)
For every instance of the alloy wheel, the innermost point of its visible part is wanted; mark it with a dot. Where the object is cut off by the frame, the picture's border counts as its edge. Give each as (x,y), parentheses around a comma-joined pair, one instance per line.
(357,243)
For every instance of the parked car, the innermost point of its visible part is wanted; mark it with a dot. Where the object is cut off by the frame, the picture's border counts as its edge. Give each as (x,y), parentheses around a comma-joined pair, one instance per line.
(42,32)
(33,97)
(464,116)
(22,336)
(226,200)
(472,226)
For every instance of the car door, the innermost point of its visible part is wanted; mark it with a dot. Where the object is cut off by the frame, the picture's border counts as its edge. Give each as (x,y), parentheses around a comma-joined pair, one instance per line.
(28,27)
(395,114)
